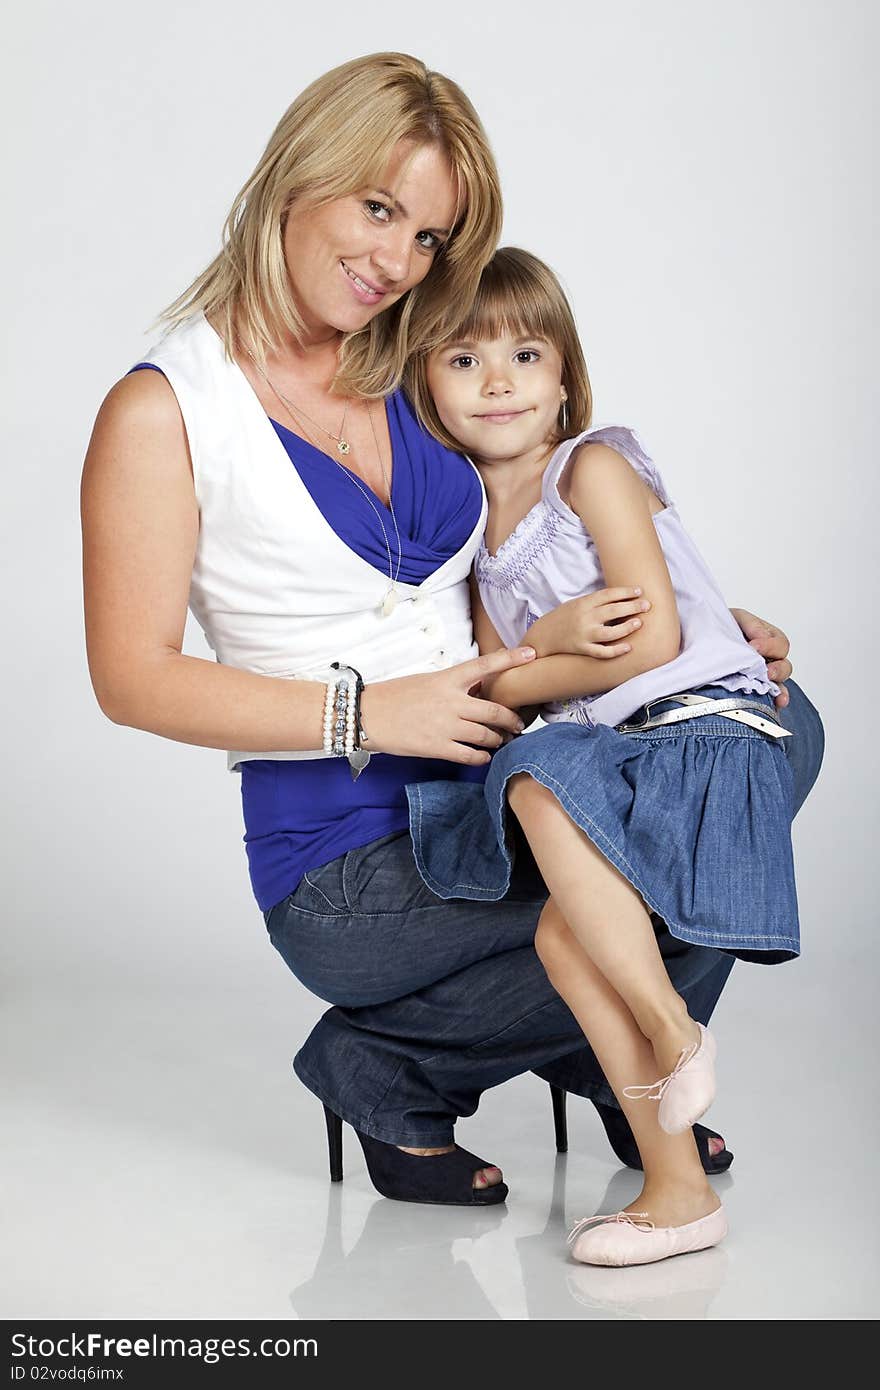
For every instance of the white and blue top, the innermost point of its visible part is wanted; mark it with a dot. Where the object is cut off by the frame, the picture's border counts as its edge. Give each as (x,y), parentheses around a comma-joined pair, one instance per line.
(290,573)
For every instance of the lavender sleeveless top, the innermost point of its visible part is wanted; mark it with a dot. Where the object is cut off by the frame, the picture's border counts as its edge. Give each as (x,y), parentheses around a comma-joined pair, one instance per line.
(550,558)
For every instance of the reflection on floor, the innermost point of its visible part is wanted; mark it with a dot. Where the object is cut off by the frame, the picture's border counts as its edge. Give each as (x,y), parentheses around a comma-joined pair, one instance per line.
(167,1163)
(416,1250)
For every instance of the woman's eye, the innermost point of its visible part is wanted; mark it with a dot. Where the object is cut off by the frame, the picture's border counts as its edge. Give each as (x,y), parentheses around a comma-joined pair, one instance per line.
(430,242)
(528,355)
(380,211)
(464,360)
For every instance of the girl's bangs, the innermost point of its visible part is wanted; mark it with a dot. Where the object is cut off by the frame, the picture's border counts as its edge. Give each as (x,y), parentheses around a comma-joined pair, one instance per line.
(503,310)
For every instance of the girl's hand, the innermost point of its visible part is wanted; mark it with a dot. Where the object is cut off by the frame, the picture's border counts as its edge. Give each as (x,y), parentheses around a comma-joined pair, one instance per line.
(594,625)
(442,714)
(772,644)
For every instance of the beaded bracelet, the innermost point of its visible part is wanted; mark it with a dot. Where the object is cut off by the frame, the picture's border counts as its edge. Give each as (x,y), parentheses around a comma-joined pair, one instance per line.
(339,717)
(349,737)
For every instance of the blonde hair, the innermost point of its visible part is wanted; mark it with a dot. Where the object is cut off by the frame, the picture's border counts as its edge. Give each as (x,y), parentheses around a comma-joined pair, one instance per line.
(517,294)
(335,139)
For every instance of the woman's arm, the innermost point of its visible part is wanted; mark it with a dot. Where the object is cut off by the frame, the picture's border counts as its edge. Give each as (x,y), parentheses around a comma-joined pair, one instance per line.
(140,529)
(771,643)
(614,505)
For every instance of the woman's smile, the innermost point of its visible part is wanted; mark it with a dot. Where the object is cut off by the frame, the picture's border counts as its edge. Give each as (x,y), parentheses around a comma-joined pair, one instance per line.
(364,290)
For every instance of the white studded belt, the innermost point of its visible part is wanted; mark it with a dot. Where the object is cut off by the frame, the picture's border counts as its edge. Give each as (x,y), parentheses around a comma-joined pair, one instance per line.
(743,711)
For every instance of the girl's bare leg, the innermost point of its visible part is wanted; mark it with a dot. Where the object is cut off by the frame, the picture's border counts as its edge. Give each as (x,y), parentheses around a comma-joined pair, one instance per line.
(675,1190)
(610,921)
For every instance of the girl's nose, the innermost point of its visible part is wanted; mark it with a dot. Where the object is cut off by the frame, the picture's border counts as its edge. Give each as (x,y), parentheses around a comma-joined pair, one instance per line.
(497,384)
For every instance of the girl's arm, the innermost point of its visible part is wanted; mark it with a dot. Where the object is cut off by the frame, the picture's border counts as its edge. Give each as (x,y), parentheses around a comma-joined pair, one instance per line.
(485,633)
(615,507)
(488,641)
(595,624)
(140,529)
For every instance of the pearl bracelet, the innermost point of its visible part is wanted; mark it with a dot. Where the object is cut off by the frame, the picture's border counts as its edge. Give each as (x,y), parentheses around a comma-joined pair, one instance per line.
(330,715)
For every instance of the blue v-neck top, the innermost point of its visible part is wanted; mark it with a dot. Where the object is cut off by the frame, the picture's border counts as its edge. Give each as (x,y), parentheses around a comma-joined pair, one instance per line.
(301,814)
(435,493)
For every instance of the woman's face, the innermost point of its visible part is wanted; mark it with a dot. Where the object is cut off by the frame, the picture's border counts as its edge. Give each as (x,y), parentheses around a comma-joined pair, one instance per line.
(354,257)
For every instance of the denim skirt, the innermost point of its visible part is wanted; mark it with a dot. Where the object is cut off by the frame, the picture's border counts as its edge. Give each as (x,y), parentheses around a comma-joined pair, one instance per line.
(696,815)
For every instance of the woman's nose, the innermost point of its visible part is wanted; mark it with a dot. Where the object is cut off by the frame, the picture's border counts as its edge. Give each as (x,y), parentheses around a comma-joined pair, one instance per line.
(393,258)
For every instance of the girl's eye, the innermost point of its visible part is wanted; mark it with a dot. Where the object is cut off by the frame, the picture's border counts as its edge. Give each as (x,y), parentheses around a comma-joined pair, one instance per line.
(528,355)
(463,360)
(377,209)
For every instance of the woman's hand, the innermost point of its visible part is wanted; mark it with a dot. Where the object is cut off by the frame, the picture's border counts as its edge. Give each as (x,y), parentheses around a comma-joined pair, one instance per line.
(593,625)
(441,714)
(772,644)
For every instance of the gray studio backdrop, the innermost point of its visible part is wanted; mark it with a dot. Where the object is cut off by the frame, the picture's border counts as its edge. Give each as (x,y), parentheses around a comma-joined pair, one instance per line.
(702,176)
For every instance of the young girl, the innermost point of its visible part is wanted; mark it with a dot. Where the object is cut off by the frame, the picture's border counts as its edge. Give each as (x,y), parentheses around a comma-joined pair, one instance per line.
(660,783)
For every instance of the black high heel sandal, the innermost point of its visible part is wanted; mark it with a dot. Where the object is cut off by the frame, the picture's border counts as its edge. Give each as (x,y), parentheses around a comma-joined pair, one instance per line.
(620,1136)
(438,1180)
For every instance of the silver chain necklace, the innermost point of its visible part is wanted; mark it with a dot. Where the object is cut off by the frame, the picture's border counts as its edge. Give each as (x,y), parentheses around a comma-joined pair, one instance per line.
(342,444)
(390,600)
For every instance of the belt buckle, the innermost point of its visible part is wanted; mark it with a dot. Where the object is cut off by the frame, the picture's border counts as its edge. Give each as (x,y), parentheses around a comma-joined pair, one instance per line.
(629,727)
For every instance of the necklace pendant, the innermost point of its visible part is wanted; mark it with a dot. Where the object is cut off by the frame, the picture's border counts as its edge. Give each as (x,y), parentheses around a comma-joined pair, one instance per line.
(389,602)
(343,446)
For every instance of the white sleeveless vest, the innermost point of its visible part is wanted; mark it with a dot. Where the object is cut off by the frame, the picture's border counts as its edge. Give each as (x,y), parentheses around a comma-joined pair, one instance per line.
(274,589)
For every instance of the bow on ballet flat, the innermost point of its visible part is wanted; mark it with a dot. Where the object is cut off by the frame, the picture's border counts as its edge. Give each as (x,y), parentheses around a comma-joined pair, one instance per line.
(657,1089)
(638,1219)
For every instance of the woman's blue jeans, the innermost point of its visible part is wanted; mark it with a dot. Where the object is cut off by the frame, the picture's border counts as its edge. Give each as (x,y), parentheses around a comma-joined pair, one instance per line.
(434,1001)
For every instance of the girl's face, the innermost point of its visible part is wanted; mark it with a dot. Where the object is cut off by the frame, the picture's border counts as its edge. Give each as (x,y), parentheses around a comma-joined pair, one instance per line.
(498,397)
(354,257)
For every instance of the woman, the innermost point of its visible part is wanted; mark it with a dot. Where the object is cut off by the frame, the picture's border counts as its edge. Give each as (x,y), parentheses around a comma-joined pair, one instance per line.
(219,478)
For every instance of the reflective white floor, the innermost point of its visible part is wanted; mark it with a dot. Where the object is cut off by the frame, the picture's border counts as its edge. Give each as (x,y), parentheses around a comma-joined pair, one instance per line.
(165,1163)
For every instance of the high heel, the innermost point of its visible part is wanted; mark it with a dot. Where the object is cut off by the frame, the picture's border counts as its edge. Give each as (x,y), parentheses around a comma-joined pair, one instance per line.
(689,1089)
(334,1143)
(622,1141)
(435,1179)
(560,1122)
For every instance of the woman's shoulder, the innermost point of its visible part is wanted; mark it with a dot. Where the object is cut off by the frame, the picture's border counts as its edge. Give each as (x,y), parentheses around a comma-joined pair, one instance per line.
(140,399)
(139,426)
(191,353)
(146,390)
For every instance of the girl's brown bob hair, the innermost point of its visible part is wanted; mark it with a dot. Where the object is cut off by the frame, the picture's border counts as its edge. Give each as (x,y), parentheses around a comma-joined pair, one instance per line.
(517,295)
(336,139)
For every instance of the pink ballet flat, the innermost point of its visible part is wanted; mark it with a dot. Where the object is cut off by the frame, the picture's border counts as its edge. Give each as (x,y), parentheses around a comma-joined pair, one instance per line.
(629,1238)
(689,1089)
